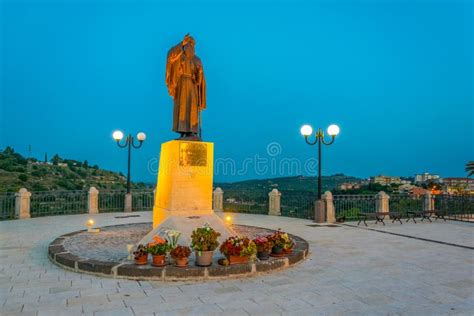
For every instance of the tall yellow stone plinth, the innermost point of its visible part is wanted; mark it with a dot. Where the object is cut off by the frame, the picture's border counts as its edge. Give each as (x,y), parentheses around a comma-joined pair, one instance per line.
(184,180)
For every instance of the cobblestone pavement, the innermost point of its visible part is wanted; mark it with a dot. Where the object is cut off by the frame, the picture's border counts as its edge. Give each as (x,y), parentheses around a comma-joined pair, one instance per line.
(351,271)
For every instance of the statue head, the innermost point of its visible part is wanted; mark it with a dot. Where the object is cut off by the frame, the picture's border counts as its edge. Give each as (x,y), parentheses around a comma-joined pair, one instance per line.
(188,50)
(188,40)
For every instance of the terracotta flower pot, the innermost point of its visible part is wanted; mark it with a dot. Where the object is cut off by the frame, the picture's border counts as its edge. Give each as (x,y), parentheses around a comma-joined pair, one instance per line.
(237,259)
(181,262)
(205,259)
(263,255)
(277,250)
(159,260)
(143,259)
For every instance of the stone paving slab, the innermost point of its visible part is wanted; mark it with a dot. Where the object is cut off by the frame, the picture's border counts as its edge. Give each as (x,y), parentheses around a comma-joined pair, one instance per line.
(349,272)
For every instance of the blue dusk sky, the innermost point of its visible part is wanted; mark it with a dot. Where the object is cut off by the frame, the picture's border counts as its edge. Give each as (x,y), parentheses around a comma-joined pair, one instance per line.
(396,76)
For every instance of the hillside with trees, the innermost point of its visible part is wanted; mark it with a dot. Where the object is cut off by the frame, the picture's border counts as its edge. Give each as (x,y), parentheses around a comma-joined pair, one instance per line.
(58,173)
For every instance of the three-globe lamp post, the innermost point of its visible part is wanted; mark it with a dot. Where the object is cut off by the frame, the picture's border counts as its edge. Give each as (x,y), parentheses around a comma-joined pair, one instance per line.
(307,131)
(129,142)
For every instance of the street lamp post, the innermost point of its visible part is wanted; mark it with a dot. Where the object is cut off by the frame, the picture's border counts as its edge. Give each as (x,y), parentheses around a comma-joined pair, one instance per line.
(306,131)
(129,142)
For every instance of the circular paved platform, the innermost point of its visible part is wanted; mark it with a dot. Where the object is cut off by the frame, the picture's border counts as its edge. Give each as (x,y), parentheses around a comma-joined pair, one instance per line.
(105,254)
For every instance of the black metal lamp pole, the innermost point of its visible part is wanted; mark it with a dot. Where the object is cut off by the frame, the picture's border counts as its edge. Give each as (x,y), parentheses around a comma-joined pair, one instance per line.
(129,142)
(307,130)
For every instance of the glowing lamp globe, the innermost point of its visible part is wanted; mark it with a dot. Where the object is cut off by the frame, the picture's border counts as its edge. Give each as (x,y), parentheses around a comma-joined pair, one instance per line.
(333,130)
(117,135)
(141,136)
(306,130)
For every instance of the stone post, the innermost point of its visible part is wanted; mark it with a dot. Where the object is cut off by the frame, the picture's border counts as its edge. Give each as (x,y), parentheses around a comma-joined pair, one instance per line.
(128,202)
(274,198)
(428,201)
(22,204)
(381,202)
(93,201)
(329,205)
(218,200)
(319,211)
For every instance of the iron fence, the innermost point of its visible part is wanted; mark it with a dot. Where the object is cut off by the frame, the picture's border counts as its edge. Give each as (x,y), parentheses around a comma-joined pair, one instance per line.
(457,207)
(111,201)
(246,202)
(298,204)
(348,206)
(404,203)
(7,205)
(58,203)
(142,200)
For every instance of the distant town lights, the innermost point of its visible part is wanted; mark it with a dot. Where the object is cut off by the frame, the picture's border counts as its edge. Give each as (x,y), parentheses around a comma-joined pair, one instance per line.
(118,135)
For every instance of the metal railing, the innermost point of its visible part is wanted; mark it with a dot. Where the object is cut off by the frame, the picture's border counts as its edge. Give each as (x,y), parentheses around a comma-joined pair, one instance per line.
(111,201)
(246,202)
(404,203)
(456,207)
(58,203)
(7,205)
(142,200)
(298,204)
(348,207)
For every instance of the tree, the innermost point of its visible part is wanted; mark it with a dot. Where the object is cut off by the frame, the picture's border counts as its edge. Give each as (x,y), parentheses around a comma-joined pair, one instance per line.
(85,164)
(470,168)
(56,160)
(23,177)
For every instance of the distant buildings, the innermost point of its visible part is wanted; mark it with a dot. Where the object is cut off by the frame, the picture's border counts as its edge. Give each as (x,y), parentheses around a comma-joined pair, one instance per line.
(387,180)
(458,185)
(411,189)
(425,177)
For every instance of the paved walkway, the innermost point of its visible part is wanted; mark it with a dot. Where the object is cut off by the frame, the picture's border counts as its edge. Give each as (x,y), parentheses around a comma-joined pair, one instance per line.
(351,271)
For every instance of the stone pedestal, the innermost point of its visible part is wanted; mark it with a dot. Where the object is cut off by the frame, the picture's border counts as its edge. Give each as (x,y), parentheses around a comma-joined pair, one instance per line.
(128,202)
(274,199)
(382,203)
(22,204)
(93,201)
(319,211)
(428,202)
(329,204)
(218,200)
(184,180)
(183,197)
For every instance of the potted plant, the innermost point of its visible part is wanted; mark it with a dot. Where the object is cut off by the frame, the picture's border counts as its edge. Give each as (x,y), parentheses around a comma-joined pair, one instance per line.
(264,247)
(158,249)
(180,255)
(141,255)
(238,249)
(204,242)
(281,243)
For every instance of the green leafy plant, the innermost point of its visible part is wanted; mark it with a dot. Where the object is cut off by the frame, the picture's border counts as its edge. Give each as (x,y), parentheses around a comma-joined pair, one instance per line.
(204,239)
(159,249)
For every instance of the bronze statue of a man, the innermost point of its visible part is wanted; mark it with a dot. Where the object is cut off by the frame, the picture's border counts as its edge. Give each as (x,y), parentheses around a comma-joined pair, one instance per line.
(187,85)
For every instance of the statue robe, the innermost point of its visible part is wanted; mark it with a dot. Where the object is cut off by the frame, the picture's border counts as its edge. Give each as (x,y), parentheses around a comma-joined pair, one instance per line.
(187,85)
